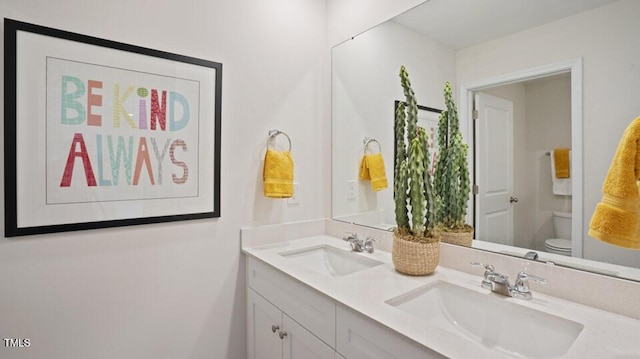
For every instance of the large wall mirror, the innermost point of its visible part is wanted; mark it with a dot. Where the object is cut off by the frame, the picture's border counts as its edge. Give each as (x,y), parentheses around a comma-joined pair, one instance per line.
(557,74)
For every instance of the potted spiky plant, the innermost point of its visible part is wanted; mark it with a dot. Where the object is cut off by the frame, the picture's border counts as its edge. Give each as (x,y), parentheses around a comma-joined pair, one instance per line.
(451,178)
(416,244)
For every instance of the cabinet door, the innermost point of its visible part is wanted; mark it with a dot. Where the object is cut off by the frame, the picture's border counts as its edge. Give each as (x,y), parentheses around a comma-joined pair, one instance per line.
(359,337)
(314,311)
(299,343)
(262,342)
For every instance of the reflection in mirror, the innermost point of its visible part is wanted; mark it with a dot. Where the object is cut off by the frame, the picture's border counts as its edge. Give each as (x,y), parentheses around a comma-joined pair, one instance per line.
(487,53)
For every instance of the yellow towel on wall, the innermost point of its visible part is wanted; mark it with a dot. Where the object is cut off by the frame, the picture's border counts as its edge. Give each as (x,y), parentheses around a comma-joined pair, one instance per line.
(278,174)
(364,170)
(561,158)
(616,219)
(372,168)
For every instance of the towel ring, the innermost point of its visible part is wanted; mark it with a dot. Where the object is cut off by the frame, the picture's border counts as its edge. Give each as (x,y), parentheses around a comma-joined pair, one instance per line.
(368,140)
(274,133)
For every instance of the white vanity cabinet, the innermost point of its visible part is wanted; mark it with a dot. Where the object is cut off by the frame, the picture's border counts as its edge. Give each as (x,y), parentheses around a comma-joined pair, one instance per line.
(272,334)
(285,318)
(312,310)
(263,341)
(288,319)
(359,337)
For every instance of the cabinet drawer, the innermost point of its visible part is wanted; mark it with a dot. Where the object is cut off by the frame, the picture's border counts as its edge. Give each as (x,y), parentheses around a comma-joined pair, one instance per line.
(358,337)
(305,305)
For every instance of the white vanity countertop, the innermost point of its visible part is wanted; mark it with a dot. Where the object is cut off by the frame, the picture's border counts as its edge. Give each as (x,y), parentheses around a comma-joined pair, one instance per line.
(605,334)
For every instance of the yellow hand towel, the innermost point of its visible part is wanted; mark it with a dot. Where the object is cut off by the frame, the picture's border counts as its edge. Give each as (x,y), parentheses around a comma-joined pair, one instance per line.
(278,174)
(364,170)
(616,219)
(372,167)
(561,158)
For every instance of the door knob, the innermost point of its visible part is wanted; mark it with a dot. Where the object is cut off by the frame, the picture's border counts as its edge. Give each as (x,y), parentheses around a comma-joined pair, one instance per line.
(274,328)
(282,335)
(513,199)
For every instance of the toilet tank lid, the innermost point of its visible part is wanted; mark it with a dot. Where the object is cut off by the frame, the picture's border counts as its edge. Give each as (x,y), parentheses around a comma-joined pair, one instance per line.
(562,214)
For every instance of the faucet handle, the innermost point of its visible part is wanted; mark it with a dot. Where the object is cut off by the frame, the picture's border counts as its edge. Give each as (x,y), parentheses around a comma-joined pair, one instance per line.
(522,284)
(368,244)
(350,235)
(524,275)
(487,267)
(489,271)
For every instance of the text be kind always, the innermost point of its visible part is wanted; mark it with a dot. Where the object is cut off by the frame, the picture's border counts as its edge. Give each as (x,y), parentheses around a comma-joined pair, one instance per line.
(142,127)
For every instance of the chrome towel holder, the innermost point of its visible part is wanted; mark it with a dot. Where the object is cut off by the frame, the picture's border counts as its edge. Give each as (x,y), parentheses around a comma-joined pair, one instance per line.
(367,141)
(274,133)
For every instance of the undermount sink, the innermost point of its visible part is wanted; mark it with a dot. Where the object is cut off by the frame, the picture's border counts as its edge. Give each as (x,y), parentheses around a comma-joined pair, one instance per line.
(490,320)
(330,261)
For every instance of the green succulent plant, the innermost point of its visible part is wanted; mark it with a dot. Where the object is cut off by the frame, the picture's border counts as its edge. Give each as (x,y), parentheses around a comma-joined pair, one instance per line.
(413,188)
(451,178)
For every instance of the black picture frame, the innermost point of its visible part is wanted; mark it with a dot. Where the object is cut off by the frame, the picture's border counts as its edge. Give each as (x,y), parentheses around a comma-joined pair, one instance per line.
(187,191)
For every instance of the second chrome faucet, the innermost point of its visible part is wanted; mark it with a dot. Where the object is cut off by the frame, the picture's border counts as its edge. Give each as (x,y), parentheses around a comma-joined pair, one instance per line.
(499,283)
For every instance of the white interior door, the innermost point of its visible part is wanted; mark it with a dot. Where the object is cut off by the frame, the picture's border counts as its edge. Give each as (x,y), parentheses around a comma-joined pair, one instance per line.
(494,169)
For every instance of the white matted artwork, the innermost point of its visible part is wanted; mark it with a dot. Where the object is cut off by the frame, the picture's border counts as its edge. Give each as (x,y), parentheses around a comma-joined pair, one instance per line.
(103,134)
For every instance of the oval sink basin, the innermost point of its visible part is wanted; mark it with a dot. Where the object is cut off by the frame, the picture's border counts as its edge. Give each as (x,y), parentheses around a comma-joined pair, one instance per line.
(330,261)
(490,320)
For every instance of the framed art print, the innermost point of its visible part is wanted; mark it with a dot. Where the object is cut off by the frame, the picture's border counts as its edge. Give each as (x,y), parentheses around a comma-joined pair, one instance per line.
(100,133)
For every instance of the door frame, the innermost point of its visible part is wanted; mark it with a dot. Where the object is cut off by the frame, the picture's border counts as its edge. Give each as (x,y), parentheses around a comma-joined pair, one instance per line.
(573,66)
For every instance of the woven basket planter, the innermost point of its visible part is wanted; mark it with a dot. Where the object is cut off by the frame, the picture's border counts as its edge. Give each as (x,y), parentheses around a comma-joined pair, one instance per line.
(414,258)
(459,238)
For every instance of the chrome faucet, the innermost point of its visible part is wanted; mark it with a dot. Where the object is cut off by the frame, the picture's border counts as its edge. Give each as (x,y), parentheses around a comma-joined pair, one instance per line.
(358,245)
(499,283)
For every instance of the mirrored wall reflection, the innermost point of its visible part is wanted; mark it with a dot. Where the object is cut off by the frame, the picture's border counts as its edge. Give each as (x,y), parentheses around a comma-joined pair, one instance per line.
(455,41)
(365,86)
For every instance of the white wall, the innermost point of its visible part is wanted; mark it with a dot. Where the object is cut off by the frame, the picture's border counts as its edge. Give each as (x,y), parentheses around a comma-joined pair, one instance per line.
(603,38)
(176,290)
(365,84)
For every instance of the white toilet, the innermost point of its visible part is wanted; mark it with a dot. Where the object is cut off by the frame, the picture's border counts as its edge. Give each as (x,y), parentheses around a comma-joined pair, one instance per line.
(562,231)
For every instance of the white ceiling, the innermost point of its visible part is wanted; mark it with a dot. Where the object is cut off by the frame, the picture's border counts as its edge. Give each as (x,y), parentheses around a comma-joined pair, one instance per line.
(463,23)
